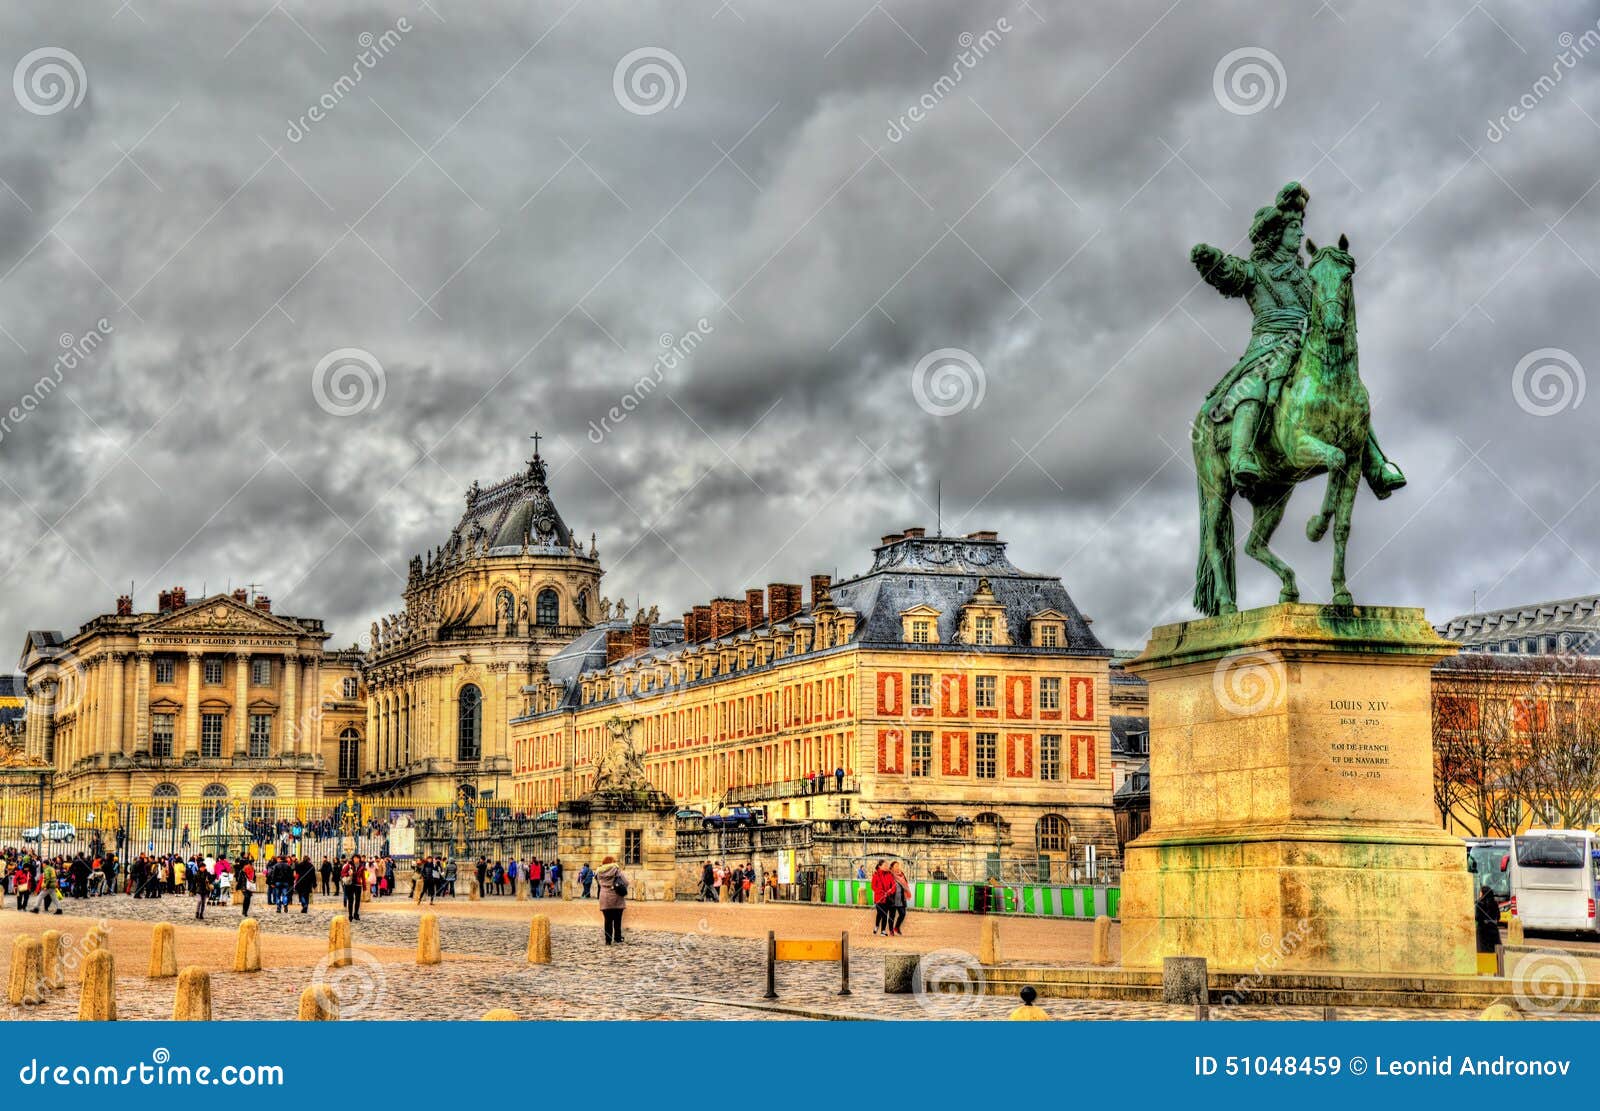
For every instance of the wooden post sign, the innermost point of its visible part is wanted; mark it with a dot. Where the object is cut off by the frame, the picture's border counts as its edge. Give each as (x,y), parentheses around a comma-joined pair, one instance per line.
(807,950)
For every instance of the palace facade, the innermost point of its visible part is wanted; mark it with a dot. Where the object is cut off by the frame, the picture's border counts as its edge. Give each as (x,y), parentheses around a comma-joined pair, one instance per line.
(208,699)
(943,684)
(509,588)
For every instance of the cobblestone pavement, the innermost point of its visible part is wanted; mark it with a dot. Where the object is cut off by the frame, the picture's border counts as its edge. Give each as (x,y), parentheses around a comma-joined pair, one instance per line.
(655,975)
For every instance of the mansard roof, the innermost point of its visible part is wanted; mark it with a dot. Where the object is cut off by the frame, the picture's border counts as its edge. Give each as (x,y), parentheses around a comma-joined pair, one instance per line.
(512,512)
(1572,624)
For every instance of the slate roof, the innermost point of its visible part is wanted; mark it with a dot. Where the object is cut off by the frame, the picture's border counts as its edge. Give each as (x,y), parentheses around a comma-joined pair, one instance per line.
(13,686)
(510,512)
(1566,625)
(1130,736)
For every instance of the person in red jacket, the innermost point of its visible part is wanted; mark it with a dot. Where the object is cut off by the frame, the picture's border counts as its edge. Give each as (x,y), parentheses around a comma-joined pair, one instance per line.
(882,889)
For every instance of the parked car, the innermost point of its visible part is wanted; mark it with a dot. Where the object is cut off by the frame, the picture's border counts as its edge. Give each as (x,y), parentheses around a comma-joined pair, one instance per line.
(689,813)
(51,831)
(737,817)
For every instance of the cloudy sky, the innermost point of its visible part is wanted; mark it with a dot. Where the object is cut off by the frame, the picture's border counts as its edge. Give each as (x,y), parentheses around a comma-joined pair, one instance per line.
(320,307)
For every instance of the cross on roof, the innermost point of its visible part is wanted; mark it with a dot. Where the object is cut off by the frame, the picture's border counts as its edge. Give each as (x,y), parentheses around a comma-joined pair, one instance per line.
(535,438)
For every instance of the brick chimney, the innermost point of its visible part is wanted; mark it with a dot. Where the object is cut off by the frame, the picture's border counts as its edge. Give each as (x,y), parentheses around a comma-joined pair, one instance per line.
(263,603)
(724,617)
(916,533)
(819,588)
(754,602)
(783,600)
(617,645)
(741,616)
(702,624)
(688,626)
(124,605)
(893,537)
(164,601)
(984,534)
(180,597)
(241,595)
(641,636)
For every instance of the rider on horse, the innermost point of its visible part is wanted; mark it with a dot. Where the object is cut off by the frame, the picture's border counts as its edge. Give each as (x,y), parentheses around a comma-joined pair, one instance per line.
(1273,281)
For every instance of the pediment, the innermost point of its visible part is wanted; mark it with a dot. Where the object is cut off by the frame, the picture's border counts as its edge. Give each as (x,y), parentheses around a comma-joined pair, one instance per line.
(922,610)
(1048,615)
(221,614)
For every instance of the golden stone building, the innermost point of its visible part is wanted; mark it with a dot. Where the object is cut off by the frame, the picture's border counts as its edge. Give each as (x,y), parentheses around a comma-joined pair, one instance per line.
(943,684)
(483,612)
(198,700)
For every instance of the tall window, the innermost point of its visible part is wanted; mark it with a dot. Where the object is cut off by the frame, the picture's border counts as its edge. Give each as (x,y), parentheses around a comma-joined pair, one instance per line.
(633,846)
(1050,756)
(1050,693)
(921,689)
(985,751)
(921,752)
(261,672)
(983,688)
(164,806)
(920,632)
(469,723)
(983,631)
(211,670)
(164,669)
(549,607)
(161,736)
(211,736)
(211,805)
(349,756)
(263,802)
(1053,834)
(352,687)
(260,736)
(1050,635)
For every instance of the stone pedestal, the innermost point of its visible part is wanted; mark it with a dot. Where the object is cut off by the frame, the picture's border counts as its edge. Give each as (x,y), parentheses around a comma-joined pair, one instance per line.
(604,823)
(1292,826)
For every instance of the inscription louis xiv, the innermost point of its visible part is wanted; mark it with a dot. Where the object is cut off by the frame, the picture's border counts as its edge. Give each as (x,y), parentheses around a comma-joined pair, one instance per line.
(1359,759)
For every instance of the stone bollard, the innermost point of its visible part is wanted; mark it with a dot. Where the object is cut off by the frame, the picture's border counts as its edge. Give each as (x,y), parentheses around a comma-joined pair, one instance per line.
(428,940)
(539,940)
(26,986)
(247,949)
(989,942)
(900,973)
(1183,980)
(238,894)
(522,897)
(1102,941)
(1500,1011)
(1514,935)
(95,938)
(318,1004)
(163,951)
(98,1002)
(193,1000)
(339,942)
(500,1014)
(474,892)
(50,943)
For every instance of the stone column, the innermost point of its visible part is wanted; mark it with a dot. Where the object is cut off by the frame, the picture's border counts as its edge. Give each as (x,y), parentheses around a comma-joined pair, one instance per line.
(114,738)
(310,696)
(141,705)
(288,702)
(241,702)
(191,705)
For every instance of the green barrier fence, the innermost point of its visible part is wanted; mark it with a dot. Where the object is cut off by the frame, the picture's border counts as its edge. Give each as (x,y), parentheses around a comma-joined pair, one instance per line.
(1037,900)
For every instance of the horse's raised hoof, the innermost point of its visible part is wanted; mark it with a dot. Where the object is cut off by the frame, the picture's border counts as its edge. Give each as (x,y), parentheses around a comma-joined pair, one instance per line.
(1317,527)
(1227,609)
(1342,598)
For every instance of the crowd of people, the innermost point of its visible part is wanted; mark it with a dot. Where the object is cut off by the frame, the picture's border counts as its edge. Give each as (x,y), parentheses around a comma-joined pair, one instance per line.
(40,882)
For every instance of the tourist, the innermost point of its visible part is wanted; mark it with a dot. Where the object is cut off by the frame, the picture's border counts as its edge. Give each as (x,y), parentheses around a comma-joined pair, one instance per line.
(499,878)
(1487,913)
(202,891)
(613,898)
(483,875)
(586,877)
(556,873)
(48,889)
(535,875)
(327,876)
(247,884)
(450,878)
(305,879)
(838,779)
(882,888)
(708,883)
(899,898)
(350,877)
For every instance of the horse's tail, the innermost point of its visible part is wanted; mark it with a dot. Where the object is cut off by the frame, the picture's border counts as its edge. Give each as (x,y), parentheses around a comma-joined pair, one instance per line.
(1207,590)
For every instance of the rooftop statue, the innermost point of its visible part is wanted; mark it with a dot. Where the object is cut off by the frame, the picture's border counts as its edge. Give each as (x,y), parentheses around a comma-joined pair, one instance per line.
(1293,406)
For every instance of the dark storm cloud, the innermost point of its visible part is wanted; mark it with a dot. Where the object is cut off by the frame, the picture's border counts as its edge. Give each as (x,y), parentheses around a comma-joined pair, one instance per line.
(516,250)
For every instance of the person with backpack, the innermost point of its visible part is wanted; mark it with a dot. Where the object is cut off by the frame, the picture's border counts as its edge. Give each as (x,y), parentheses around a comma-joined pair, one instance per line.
(613,883)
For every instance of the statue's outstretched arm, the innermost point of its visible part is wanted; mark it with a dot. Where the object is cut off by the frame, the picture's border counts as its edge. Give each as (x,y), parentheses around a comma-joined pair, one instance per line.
(1229,274)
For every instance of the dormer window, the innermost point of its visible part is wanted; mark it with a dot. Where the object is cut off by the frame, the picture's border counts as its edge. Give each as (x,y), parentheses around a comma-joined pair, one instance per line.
(983,630)
(921,632)
(1050,636)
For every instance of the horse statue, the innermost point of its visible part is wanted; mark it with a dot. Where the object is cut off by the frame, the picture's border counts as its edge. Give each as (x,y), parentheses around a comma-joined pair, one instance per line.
(1319,424)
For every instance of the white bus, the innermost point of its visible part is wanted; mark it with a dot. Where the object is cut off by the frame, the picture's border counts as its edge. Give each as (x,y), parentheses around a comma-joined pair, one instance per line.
(1553,879)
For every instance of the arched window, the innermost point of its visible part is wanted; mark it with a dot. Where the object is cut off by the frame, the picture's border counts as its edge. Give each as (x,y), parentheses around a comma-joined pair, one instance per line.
(1053,834)
(212,805)
(922,815)
(349,755)
(164,806)
(549,609)
(469,722)
(263,802)
(989,818)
